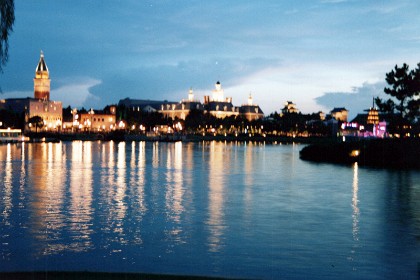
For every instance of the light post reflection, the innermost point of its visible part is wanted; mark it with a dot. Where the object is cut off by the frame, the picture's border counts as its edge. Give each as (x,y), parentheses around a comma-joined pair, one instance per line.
(217,165)
(54,193)
(121,184)
(6,203)
(7,185)
(249,178)
(174,191)
(356,211)
(81,196)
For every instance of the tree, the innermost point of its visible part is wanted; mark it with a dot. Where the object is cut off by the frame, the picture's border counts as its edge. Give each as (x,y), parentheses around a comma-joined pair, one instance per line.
(7,13)
(385,106)
(36,121)
(405,87)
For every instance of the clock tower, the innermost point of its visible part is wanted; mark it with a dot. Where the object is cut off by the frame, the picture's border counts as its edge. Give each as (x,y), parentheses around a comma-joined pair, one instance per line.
(42,81)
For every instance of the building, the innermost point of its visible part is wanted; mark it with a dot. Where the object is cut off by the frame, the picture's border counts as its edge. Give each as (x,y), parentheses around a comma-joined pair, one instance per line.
(40,105)
(251,111)
(371,124)
(216,105)
(219,106)
(42,80)
(96,121)
(289,108)
(182,109)
(340,114)
(373,116)
(145,105)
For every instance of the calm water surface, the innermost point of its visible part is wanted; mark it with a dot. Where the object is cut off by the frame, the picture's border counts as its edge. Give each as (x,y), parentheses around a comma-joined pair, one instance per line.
(215,209)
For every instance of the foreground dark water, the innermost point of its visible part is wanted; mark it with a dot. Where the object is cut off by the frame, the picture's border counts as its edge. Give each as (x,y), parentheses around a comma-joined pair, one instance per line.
(214,209)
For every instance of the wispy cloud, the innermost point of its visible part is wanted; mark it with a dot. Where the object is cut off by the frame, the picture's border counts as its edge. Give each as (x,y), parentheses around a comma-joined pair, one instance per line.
(77,93)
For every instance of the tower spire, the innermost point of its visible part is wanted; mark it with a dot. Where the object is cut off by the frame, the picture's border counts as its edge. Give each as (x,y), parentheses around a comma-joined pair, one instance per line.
(42,80)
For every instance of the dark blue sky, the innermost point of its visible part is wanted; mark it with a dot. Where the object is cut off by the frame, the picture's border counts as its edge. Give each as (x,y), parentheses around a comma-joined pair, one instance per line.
(318,54)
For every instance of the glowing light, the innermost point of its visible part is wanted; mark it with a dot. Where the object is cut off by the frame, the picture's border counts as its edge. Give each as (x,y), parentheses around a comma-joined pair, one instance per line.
(354,153)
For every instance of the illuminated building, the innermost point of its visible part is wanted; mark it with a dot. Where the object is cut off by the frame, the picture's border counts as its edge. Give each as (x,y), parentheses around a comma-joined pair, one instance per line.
(42,80)
(251,111)
(182,109)
(373,116)
(99,120)
(50,111)
(370,124)
(217,105)
(289,108)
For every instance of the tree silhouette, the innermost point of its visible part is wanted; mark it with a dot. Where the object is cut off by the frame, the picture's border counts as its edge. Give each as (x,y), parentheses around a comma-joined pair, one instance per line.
(405,87)
(7,13)
(36,121)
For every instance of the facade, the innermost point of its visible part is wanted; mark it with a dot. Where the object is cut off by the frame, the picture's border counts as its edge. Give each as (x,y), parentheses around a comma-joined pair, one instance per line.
(51,113)
(96,121)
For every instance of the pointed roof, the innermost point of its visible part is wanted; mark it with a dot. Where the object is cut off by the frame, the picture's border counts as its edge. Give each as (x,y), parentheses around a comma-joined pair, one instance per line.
(42,66)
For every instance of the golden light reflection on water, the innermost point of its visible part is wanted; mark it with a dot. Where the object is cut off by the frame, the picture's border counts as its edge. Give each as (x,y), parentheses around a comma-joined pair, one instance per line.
(120,188)
(174,191)
(137,184)
(7,183)
(249,177)
(218,164)
(141,174)
(81,196)
(113,196)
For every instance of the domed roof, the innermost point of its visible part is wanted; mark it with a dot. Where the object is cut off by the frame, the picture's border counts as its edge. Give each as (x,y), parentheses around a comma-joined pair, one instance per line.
(42,66)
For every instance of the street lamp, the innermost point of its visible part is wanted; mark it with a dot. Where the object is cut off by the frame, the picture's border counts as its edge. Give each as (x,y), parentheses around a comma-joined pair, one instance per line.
(91,113)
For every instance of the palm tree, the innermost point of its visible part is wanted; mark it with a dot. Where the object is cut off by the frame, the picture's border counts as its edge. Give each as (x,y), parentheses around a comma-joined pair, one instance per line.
(36,121)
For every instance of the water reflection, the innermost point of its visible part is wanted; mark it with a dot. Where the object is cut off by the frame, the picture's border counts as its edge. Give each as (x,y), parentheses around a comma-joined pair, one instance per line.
(208,208)
(6,205)
(356,212)
(7,185)
(80,208)
(174,192)
(249,177)
(218,164)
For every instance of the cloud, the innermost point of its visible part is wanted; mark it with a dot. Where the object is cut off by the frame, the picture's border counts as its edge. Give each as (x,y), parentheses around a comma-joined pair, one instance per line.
(76,92)
(356,101)
(172,81)
(16,94)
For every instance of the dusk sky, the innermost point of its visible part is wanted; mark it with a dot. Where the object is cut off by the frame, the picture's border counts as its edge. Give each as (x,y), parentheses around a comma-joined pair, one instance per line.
(319,54)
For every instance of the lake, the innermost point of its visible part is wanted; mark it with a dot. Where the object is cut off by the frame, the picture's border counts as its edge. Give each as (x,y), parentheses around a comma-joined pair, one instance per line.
(244,210)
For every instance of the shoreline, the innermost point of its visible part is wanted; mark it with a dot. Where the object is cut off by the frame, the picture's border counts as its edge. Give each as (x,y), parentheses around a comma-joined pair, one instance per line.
(118,137)
(383,153)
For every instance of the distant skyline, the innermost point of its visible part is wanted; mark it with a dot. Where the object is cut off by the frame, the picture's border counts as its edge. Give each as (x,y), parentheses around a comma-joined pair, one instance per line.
(318,54)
